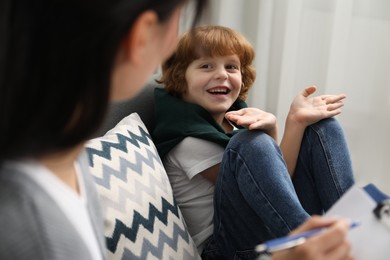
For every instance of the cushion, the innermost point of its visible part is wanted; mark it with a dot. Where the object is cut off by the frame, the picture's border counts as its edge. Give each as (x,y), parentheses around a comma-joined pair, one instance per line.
(142,219)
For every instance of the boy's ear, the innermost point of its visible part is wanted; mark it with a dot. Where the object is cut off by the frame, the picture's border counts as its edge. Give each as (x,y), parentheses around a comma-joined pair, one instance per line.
(140,36)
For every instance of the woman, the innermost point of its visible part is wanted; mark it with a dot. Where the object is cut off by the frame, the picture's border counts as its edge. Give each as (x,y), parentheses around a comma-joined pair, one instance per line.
(61,62)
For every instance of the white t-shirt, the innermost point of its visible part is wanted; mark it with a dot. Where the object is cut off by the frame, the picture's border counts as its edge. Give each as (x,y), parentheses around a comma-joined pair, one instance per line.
(194,193)
(72,204)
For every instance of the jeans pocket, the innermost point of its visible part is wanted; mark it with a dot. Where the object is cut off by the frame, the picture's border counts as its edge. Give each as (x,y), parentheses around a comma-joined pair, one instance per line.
(210,251)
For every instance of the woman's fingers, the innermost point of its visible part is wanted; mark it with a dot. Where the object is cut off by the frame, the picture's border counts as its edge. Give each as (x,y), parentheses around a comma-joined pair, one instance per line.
(314,222)
(330,244)
(333,236)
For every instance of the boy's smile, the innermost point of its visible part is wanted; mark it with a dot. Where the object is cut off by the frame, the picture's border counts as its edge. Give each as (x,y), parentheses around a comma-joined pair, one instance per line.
(214,83)
(219,90)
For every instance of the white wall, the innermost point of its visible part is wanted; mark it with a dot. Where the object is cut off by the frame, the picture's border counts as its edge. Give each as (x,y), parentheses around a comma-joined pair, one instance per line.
(342,46)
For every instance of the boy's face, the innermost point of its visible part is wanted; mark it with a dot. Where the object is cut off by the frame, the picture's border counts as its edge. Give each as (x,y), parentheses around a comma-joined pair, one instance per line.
(214,83)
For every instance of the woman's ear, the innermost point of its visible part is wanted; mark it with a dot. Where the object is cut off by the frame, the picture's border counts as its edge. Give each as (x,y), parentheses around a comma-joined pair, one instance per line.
(139,37)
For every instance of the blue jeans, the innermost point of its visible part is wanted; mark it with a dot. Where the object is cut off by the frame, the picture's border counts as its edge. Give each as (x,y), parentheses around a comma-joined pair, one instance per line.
(255,198)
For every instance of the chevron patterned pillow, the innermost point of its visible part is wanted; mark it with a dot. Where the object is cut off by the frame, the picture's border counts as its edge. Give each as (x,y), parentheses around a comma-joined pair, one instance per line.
(142,220)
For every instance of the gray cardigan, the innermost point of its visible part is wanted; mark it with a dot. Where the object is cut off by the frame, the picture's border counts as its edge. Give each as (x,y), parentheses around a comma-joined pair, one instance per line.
(33,226)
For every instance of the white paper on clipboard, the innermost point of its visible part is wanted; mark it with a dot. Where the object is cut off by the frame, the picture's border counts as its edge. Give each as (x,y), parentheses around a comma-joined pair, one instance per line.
(370,240)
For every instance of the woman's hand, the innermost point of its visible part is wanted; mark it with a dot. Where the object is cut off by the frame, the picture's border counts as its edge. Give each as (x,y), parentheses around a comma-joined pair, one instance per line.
(254,119)
(330,244)
(306,110)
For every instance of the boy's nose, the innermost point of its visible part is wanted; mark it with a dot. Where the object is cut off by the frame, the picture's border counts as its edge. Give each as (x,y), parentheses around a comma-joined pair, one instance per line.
(221,73)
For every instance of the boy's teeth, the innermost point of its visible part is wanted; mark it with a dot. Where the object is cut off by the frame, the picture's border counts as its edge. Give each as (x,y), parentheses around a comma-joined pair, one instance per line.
(218,91)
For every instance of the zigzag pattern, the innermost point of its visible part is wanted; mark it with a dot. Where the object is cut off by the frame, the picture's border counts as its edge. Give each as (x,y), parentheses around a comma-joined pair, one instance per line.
(117,198)
(158,250)
(124,165)
(138,220)
(142,218)
(121,145)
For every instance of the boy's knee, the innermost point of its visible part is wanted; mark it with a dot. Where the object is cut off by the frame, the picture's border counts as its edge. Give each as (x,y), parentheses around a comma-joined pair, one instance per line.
(250,140)
(328,125)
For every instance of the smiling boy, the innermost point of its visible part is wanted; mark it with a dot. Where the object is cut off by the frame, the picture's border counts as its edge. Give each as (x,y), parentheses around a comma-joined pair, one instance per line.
(237,188)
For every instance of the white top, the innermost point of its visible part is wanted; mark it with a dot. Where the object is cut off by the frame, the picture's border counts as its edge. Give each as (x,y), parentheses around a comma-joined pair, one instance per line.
(72,204)
(193,192)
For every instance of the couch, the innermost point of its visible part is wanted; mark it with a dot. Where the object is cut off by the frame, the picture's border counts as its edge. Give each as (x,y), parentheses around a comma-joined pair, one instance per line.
(142,219)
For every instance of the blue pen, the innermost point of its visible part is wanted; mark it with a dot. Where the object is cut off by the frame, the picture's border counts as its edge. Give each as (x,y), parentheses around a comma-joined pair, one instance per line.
(282,243)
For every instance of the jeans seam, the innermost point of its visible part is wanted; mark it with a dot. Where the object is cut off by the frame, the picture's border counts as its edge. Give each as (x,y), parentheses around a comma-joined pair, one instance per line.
(324,146)
(269,205)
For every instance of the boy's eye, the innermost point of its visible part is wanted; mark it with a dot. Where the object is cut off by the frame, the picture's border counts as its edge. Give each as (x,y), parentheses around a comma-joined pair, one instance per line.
(232,67)
(205,66)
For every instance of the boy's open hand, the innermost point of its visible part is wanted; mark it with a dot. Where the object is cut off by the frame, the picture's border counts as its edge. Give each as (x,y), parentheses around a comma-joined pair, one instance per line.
(307,110)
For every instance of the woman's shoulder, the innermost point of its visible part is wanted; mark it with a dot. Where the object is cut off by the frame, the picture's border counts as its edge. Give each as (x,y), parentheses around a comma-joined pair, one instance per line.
(21,231)
(31,223)
(21,198)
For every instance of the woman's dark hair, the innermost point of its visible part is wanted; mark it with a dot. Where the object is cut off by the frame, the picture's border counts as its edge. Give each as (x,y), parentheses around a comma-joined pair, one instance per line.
(56,60)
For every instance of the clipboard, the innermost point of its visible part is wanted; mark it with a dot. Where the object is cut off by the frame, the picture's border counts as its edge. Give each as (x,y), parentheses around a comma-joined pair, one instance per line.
(370,206)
